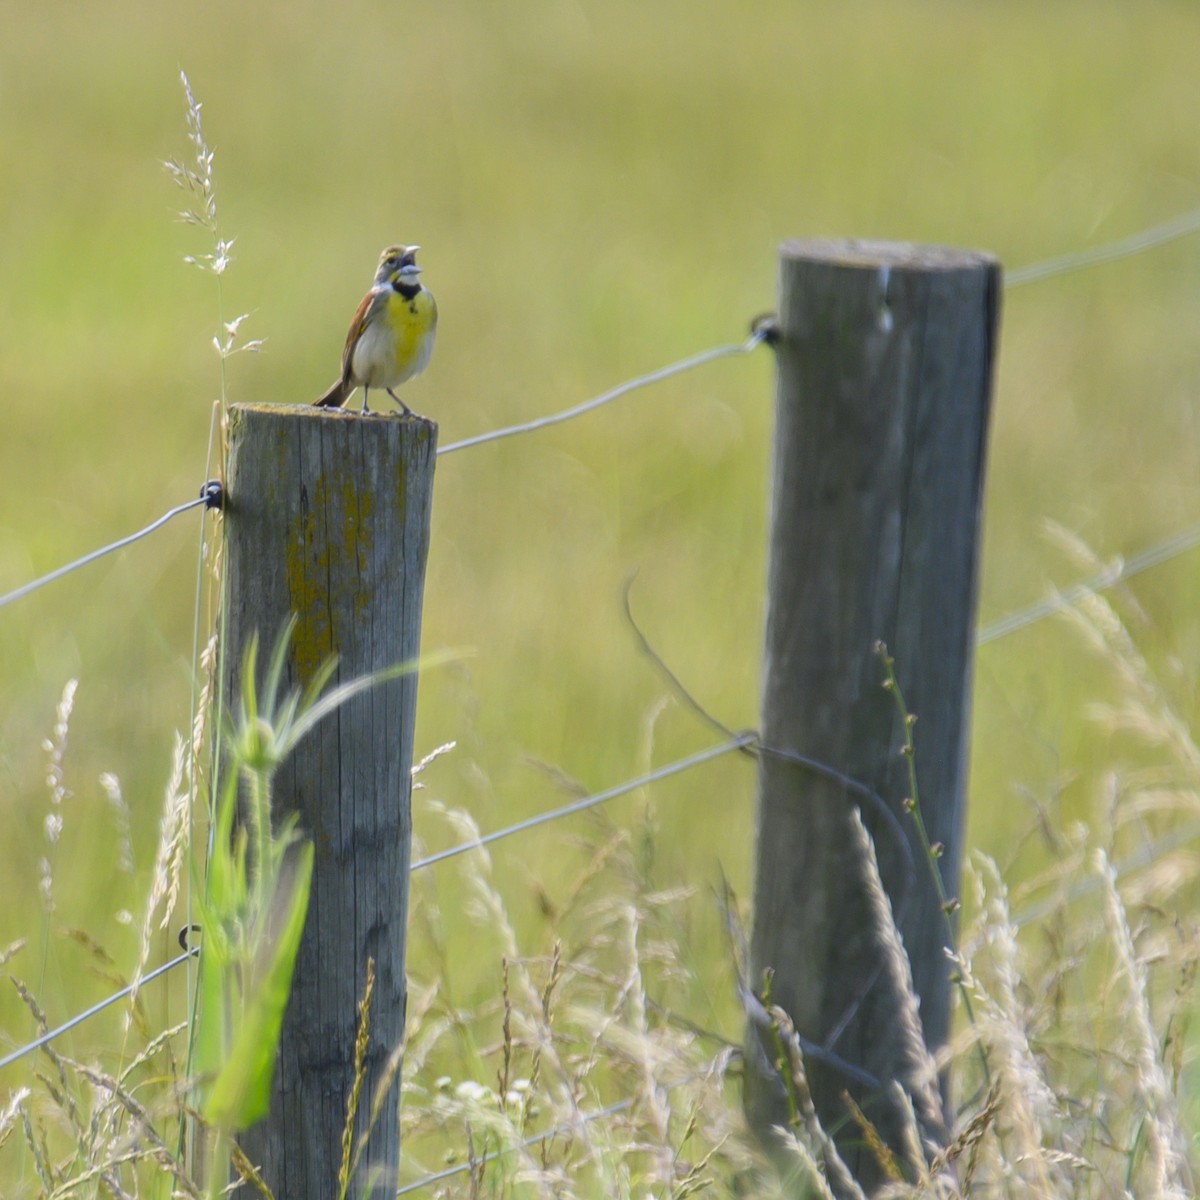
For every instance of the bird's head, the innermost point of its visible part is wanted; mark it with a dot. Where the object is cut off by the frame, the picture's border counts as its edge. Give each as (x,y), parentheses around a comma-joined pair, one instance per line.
(397,264)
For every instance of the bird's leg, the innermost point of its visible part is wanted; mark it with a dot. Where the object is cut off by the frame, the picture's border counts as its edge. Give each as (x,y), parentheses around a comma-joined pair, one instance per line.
(407,411)
(364,407)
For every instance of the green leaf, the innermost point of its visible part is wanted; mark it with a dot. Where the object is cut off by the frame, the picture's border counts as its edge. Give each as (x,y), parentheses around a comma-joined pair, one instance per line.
(241,1092)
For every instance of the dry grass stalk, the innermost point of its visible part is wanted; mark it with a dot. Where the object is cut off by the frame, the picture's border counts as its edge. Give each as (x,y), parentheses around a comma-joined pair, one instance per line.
(172,841)
(11,1112)
(1031,1111)
(843,1183)
(1165,1140)
(248,1172)
(361,1041)
(52,827)
(920,1074)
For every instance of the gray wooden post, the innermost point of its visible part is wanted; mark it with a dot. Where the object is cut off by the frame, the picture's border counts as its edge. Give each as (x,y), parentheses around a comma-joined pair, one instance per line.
(327,517)
(883,389)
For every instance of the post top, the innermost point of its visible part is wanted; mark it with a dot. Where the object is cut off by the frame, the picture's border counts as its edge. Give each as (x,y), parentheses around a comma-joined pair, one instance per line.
(345,418)
(351,413)
(864,252)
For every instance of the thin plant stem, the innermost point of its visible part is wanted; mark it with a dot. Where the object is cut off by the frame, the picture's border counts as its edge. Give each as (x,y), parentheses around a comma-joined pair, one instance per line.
(912,805)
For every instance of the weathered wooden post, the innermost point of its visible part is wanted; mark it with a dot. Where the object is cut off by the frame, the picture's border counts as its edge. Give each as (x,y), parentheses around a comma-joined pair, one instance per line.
(327,518)
(884,381)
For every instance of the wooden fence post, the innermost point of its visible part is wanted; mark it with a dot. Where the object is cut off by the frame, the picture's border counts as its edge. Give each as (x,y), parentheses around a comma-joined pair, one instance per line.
(883,388)
(327,517)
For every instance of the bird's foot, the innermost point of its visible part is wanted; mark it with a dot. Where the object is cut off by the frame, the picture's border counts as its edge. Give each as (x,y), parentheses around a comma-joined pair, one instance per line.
(408,412)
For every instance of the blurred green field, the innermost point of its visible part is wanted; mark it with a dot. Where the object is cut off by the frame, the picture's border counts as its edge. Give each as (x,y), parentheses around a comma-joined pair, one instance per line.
(598,188)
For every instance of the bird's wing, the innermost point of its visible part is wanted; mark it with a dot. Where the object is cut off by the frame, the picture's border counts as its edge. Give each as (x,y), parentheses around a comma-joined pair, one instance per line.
(366,311)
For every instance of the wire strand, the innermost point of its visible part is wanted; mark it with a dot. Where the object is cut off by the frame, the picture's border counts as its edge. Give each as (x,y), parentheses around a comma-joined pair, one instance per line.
(203,499)
(100,1006)
(623,389)
(738,742)
(1152,556)
(586,1119)
(1147,239)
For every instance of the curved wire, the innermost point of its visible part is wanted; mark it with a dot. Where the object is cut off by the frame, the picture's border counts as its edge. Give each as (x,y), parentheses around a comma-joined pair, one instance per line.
(865,794)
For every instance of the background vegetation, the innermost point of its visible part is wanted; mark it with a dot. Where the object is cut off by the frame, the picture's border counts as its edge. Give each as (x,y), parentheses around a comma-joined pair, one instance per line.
(599,188)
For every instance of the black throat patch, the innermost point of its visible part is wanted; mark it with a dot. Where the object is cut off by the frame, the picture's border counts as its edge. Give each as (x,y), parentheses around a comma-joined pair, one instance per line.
(407,290)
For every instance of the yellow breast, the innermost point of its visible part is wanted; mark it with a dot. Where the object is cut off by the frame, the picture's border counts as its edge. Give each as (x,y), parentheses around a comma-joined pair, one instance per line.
(396,341)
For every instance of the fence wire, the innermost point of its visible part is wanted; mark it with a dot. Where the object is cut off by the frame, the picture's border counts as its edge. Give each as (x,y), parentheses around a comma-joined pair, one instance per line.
(739,742)
(98,1007)
(585,1119)
(1146,239)
(759,335)
(210,497)
(1143,560)
(1152,556)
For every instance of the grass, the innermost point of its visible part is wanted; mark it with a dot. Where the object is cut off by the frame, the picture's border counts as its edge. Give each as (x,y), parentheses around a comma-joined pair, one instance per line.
(598,190)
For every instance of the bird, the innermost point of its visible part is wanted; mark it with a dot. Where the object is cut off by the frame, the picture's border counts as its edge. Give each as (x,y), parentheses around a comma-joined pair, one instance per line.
(391,336)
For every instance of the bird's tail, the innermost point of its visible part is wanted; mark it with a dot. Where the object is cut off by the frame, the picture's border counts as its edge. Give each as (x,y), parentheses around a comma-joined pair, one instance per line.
(337,395)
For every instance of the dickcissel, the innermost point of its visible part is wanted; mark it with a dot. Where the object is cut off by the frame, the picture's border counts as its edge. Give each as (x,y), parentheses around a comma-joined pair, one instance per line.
(391,336)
